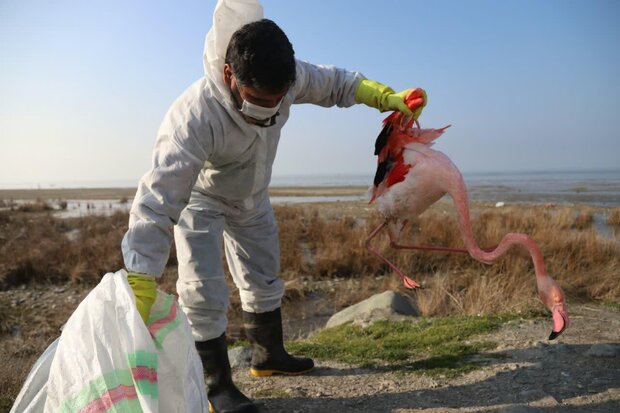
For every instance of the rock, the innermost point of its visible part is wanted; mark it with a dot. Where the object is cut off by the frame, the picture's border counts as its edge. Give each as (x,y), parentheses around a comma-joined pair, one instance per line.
(240,357)
(534,395)
(73,234)
(378,306)
(541,344)
(499,204)
(546,402)
(514,409)
(603,350)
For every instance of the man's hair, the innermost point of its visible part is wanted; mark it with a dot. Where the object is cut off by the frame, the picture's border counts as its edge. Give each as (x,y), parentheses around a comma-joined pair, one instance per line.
(261,56)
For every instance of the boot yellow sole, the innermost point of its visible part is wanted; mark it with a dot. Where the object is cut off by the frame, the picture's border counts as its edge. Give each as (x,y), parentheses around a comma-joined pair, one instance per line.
(265,373)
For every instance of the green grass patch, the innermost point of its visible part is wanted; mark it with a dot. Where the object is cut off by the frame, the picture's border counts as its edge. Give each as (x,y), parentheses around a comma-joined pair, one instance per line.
(239,343)
(270,393)
(6,403)
(612,304)
(439,346)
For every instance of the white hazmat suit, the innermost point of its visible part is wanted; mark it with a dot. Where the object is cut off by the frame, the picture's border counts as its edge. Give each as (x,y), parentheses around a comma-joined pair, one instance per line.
(209,179)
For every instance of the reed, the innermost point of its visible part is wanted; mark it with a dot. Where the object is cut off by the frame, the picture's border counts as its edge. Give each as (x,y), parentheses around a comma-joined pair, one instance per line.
(39,247)
(614,217)
(322,254)
(582,261)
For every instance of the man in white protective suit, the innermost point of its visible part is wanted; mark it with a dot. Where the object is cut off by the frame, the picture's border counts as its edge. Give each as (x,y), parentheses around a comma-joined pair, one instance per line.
(209,176)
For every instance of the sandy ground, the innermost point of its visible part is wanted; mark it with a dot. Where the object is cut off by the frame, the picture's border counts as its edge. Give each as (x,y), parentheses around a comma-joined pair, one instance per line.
(71,193)
(526,373)
(580,372)
(117,193)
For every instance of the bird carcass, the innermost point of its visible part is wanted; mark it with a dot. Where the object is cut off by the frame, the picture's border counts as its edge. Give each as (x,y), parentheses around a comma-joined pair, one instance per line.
(411,176)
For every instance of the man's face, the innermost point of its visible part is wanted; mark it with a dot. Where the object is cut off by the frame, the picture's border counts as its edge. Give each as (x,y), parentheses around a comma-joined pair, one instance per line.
(252,95)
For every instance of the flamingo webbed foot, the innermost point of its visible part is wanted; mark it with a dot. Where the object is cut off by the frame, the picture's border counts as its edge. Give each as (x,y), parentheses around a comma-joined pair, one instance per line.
(411,284)
(554,335)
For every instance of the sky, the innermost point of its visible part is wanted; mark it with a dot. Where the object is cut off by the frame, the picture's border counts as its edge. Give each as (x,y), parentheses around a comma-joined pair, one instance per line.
(527,85)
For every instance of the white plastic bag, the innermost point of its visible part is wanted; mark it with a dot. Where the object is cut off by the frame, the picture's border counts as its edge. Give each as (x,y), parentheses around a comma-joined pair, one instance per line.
(107,360)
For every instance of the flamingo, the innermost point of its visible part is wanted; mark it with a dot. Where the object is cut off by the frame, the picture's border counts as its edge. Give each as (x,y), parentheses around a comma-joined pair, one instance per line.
(411,176)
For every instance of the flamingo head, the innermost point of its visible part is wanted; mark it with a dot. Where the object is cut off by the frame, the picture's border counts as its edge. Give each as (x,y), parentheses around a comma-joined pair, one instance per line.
(560,320)
(416,101)
(552,295)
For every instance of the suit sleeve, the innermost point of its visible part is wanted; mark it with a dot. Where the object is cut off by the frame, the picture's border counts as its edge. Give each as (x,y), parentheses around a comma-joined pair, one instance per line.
(182,147)
(325,85)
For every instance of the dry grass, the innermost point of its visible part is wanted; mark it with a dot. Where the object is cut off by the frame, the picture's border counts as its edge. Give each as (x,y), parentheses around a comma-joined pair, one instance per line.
(39,247)
(322,254)
(13,366)
(584,263)
(28,327)
(614,217)
(569,218)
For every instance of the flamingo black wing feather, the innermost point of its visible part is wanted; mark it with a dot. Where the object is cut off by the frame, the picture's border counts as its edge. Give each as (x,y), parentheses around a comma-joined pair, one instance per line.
(383,137)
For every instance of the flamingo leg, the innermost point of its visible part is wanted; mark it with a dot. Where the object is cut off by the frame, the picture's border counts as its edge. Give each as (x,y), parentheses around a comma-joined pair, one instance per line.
(434,248)
(409,283)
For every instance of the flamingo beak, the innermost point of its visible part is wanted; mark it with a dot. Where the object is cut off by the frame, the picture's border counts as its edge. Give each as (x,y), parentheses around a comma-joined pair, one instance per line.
(560,321)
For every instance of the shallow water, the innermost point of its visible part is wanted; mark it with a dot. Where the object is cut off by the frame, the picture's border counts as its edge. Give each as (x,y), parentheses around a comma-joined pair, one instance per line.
(599,223)
(76,208)
(80,207)
(314,199)
(540,189)
(87,207)
(599,188)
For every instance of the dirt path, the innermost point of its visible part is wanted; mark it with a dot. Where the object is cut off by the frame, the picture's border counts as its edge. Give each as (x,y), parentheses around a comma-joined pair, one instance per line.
(578,373)
(526,373)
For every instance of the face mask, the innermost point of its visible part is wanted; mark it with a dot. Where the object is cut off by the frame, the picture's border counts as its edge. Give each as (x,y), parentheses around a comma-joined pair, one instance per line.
(264,116)
(257,112)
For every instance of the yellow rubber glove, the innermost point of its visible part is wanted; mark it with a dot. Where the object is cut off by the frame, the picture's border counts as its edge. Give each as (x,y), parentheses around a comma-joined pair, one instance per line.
(144,288)
(382,97)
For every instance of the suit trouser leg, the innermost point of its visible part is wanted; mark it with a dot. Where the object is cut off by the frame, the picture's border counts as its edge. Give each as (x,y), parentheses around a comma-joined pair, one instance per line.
(253,256)
(252,253)
(202,288)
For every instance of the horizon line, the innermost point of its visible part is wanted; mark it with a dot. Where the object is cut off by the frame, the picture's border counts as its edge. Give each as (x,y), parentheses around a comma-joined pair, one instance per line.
(132,184)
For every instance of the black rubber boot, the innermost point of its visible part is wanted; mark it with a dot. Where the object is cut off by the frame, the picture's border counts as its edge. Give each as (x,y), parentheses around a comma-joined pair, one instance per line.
(269,357)
(224,396)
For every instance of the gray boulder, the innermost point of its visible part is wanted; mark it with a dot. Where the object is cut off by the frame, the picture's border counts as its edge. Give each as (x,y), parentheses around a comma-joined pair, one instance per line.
(240,357)
(386,305)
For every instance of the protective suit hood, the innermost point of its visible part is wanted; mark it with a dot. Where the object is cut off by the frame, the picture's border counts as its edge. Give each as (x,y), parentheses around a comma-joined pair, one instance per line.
(228,17)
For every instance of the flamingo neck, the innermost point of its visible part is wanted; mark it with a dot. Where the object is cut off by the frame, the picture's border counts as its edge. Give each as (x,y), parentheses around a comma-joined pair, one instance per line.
(459,195)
